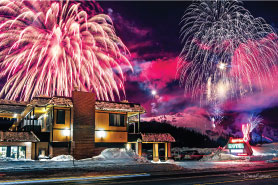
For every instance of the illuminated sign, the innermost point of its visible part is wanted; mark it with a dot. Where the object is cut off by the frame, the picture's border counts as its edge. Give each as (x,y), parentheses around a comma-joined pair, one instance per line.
(236,150)
(239,147)
(236,146)
(237,141)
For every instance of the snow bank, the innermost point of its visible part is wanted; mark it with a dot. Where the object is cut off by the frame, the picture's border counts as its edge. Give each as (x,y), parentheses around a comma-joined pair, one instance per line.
(204,151)
(265,149)
(119,154)
(260,153)
(5,159)
(62,158)
(222,157)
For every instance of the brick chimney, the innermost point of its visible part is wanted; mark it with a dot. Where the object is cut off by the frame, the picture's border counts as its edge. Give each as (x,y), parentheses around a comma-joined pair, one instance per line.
(83,124)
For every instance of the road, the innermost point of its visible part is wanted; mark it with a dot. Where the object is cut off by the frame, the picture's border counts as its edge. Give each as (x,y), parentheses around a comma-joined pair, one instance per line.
(269,177)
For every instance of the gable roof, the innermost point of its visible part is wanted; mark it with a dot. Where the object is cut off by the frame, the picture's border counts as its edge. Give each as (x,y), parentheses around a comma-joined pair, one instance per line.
(151,137)
(58,101)
(18,137)
(11,106)
(119,106)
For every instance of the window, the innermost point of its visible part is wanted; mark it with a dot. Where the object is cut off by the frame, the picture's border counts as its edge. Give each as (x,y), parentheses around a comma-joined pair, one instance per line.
(42,152)
(14,150)
(60,117)
(117,120)
(22,152)
(3,151)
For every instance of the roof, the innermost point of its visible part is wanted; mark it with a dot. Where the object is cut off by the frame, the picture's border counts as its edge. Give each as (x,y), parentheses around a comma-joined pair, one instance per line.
(11,106)
(18,137)
(59,101)
(157,137)
(119,106)
(18,107)
(151,137)
(100,105)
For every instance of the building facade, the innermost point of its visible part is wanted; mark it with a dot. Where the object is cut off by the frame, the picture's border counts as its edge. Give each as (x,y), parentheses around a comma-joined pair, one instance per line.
(80,125)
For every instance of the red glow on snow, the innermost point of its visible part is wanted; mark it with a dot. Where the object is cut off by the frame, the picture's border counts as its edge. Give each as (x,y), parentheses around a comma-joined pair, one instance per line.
(242,154)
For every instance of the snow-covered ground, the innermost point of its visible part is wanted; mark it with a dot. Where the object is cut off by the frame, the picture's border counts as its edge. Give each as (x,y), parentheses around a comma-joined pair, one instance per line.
(117,158)
(108,158)
(205,151)
(201,165)
(262,156)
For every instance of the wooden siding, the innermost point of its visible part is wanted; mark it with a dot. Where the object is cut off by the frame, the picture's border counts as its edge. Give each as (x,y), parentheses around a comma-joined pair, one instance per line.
(59,130)
(111,137)
(112,134)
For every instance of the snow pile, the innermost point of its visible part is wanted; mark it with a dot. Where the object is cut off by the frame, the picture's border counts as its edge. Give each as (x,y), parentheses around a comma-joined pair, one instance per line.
(5,159)
(220,154)
(169,161)
(62,158)
(265,149)
(204,151)
(119,154)
(264,152)
(222,157)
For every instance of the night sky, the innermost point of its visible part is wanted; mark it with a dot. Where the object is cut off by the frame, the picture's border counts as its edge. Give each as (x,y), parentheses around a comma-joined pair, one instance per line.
(151,32)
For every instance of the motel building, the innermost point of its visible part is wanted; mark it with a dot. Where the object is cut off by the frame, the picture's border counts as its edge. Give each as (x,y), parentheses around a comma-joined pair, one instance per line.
(80,126)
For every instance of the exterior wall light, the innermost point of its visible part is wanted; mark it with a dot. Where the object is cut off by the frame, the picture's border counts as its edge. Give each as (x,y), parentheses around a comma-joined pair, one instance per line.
(66,132)
(101,134)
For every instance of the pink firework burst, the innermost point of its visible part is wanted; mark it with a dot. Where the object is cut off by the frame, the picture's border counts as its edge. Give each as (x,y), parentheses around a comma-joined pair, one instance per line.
(50,48)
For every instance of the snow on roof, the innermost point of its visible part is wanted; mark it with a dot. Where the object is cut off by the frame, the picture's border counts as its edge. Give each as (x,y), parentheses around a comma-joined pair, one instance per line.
(43,101)
(119,106)
(157,137)
(151,137)
(18,137)
(100,105)
(11,106)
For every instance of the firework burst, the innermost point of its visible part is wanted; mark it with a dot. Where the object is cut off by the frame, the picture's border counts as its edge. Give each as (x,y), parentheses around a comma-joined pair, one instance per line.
(227,52)
(254,121)
(50,48)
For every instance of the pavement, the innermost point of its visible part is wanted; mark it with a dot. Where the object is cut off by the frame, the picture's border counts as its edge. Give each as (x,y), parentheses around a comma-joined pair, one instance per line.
(162,173)
(255,177)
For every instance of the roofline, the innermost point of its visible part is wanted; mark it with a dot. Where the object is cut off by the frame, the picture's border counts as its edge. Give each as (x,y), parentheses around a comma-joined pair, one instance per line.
(68,97)
(118,102)
(17,103)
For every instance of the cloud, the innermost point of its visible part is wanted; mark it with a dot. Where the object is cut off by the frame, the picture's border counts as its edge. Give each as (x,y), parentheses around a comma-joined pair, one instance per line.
(157,73)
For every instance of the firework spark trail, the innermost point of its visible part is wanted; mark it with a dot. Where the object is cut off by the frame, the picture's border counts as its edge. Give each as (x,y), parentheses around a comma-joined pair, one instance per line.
(224,48)
(49,48)
(216,115)
(254,121)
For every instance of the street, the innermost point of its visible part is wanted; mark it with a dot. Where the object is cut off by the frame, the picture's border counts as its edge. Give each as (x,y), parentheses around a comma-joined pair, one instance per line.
(268,177)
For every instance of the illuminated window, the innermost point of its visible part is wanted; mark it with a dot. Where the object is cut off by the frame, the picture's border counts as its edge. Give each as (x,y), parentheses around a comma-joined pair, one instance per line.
(60,117)
(117,120)
(14,150)
(3,151)
(22,152)
(42,152)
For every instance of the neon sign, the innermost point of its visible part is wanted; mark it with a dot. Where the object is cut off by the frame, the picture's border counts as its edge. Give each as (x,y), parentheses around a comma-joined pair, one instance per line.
(236,146)
(246,130)
(239,147)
